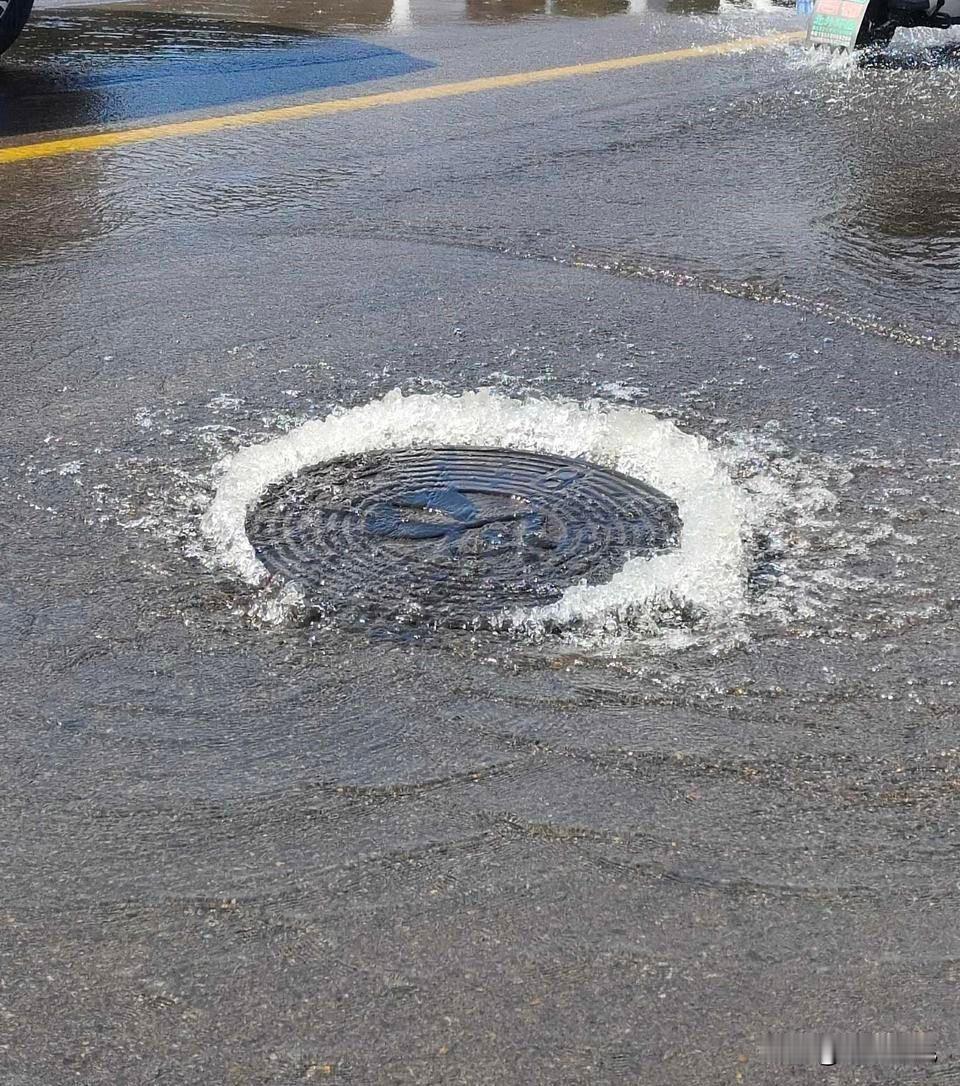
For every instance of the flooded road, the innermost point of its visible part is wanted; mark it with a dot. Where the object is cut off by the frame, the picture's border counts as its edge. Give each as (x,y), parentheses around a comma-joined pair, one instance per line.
(653,817)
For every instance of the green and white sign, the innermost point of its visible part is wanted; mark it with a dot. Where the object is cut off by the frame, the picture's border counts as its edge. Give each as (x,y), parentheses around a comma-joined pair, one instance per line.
(837,22)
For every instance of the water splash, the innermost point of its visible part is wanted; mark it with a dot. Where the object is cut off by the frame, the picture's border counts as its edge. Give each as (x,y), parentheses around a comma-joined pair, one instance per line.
(831,60)
(706,577)
(832,547)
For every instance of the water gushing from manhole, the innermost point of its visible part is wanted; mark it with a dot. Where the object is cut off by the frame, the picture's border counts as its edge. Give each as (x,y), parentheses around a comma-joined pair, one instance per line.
(625,590)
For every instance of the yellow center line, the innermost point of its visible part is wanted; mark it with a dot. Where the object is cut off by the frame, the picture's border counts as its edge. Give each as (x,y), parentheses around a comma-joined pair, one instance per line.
(73,145)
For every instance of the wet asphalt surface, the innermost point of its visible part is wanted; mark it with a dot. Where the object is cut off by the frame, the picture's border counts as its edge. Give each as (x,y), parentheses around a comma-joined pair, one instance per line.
(247,854)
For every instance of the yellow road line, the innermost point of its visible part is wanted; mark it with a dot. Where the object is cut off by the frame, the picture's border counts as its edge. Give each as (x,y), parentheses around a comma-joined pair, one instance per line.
(74,145)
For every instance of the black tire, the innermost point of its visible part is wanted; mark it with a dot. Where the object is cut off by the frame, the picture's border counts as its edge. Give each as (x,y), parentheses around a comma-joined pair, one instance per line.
(876,28)
(13,15)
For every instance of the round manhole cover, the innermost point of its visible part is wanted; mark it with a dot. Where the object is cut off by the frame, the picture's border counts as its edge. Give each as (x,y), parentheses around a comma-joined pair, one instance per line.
(454,536)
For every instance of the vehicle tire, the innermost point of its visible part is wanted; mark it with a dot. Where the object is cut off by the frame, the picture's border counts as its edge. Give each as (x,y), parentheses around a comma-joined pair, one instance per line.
(876,28)
(13,15)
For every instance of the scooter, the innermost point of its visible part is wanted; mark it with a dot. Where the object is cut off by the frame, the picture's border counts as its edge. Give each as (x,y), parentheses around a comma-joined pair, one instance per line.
(858,24)
(13,16)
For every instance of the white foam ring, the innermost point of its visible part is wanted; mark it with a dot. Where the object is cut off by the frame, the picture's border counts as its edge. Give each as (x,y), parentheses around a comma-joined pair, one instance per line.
(706,574)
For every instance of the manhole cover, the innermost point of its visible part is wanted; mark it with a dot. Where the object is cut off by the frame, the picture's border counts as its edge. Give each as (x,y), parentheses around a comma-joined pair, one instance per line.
(454,536)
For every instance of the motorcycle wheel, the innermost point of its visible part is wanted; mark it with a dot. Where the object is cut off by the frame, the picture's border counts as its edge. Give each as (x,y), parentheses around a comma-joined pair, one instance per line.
(13,15)
(876,28)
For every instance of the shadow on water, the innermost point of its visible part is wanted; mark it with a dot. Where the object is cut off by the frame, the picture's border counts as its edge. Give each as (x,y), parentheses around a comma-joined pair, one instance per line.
(901,231)
(897,219)
(92,68)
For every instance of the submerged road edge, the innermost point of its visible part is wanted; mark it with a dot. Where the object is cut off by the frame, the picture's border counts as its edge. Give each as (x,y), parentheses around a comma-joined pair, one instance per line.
(74,145)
